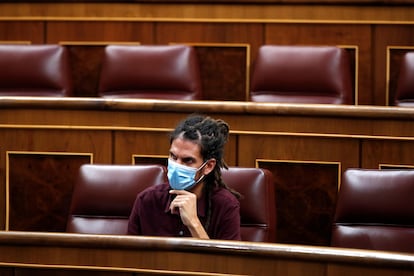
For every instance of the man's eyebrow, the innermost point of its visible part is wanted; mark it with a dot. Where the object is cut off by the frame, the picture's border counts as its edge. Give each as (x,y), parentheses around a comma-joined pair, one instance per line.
(188,159)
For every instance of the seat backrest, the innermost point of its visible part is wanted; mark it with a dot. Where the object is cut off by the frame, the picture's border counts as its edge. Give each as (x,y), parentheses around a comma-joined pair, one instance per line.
(375,210)
(34,70)
(155,72)
(404,95)
(103,196)
(302,74)
(258,206)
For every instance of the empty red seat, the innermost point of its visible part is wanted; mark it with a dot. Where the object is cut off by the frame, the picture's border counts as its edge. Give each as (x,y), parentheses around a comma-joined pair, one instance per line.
(150,72)
(302,74)
(34,70)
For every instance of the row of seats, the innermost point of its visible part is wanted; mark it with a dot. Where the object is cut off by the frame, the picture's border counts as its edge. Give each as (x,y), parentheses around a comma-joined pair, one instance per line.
(104,195)
(292,74)
(374,208)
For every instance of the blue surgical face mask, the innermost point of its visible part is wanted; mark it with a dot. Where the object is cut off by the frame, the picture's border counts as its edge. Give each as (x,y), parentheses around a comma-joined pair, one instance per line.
(182,177)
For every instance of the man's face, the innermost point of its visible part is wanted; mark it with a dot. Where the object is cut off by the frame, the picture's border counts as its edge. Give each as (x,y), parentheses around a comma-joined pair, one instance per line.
(186,152)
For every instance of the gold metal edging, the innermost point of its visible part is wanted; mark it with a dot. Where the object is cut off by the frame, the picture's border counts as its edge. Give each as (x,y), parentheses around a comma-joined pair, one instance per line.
(16,42)
(234,132)
(109,268)
(203,20)
(395,165)
(34,153)
(146,156)
(98,43)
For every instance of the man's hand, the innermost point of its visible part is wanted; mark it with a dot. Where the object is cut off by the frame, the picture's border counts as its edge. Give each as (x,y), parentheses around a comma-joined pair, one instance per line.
(185,203)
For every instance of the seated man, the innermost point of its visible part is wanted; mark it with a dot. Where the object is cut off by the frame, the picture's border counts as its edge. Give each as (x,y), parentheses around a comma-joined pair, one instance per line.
(196,202)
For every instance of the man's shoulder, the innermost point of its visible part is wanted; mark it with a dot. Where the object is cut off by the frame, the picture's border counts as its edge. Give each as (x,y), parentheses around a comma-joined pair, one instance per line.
(224,195)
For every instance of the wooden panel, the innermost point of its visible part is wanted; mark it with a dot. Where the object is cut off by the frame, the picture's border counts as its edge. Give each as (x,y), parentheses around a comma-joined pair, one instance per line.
(40,201)
(394,152)
(394,58)
(385,36)
(22,31)
(140,144)
(223,70)
(307,171)
(224,52)
(86,62)
(52,140)
(214,33)
(358,36)
(137,143)
(306,194)
(103,31)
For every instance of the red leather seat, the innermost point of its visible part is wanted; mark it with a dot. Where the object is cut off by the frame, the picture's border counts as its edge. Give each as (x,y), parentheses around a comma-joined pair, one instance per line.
(104,195)
(302,74)
(404,96)
(375,210)
(152,72)
(258,205)
(34,70)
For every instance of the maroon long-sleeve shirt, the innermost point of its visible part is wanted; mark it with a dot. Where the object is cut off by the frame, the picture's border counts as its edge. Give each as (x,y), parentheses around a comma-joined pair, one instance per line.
(150,215)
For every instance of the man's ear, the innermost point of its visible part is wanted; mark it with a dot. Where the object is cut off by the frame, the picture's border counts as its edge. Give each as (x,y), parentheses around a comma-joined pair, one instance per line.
(210,165)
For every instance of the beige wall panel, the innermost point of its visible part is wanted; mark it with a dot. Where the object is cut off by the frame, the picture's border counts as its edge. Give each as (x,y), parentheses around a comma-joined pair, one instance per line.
(100,31)
(391,152)
(356,35)
(385,36)
(22,31)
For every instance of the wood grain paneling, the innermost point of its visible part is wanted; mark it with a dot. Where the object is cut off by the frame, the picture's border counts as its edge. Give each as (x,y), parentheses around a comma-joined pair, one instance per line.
(105,32)
(385,36)
(40,201)
(48,140)
(391,152)
(306,194)
(24,31)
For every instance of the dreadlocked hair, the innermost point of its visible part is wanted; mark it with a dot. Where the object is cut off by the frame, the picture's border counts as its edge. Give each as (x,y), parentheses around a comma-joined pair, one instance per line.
(211,135)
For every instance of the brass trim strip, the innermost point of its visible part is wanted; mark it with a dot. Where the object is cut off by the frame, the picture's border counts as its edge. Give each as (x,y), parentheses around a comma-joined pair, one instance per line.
(145,155)
(110,268)
(235,132)
(203,20)
(98,43)
(394,165)
(14,42)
